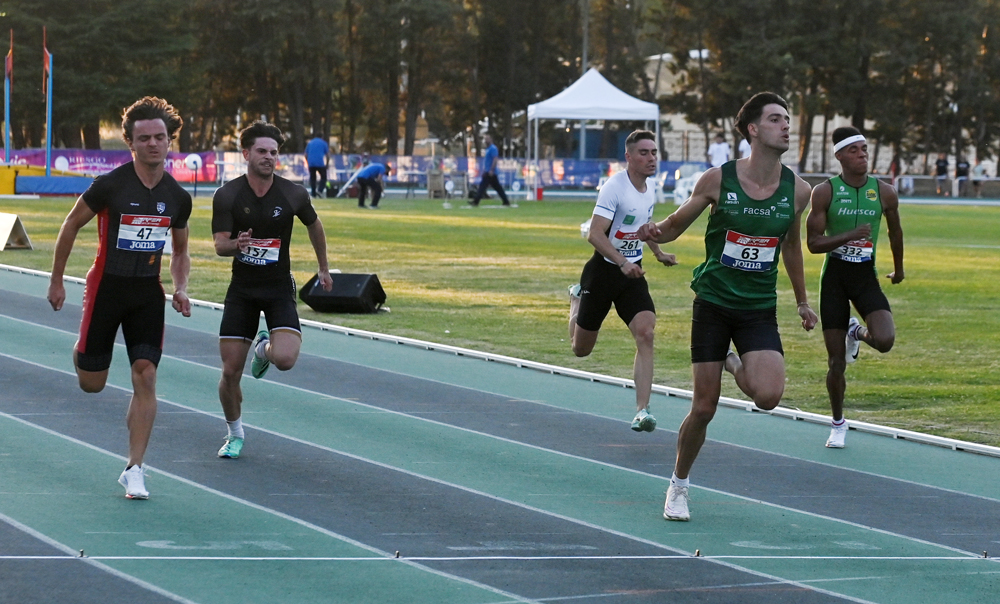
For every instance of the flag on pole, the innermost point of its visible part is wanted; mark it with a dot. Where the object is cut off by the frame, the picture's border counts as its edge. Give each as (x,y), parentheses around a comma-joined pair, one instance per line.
(46,63)
(8,64)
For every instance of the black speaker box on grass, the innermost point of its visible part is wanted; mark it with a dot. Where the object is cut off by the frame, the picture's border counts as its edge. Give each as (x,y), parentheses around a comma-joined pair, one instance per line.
(350,294)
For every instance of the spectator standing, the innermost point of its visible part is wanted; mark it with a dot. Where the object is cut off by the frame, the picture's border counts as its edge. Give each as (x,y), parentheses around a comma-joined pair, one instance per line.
(489,176)
(962,175)
(941,173)
(318,158)
(718,152)
(978,174)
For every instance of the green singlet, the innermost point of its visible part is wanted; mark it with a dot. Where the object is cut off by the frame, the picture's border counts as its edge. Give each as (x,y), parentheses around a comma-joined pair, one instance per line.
(743,243)
(849,208)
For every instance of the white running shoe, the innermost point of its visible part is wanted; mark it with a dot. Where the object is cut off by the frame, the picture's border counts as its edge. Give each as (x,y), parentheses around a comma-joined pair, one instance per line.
(852,342)
(837,436)
(676,506)
(574,290)
(134,483)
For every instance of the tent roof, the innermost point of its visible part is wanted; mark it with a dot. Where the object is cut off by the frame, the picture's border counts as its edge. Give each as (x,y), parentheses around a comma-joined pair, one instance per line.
(592,97)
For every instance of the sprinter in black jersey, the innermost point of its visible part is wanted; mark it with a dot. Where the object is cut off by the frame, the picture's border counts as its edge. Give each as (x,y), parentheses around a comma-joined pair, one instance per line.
(252,219)
(137,206)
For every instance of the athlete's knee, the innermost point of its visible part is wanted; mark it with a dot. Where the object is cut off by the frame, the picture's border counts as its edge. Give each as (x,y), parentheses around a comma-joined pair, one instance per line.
(144,375)
(644,336)
(767,398)
(883,343)
(91,385)
(837,364)
(283,360)
(702,412)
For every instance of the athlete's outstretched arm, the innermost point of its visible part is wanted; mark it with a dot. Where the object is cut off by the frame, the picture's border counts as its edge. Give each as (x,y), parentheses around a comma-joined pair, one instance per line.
(180,268)
(890,209)
(77,218)
(791,252)
(705,194)
(318,238)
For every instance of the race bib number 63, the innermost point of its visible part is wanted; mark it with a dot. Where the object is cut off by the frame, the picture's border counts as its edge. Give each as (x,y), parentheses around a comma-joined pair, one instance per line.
(749,253)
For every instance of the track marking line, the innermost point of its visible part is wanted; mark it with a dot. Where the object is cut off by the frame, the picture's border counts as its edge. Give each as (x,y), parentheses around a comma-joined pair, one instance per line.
(250,504)
(463,488)
(96,564)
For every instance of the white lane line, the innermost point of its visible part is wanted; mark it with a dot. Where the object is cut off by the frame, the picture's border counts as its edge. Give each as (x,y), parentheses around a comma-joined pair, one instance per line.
(96,564)
(444,483)
(253,505)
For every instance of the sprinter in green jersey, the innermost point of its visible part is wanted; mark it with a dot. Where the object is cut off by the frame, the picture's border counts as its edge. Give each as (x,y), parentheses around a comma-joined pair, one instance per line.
(847,211)
(757,205)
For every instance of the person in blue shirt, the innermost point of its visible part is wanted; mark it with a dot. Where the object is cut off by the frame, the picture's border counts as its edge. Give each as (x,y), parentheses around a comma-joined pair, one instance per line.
(370,177)
(318,158)
(489,173)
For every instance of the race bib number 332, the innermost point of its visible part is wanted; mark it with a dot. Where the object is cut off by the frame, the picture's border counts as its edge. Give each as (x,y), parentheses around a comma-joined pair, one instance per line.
(137,233)
(749,253)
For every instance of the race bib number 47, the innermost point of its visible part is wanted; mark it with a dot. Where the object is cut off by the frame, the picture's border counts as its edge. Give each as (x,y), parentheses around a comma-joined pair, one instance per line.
(749,253)
(261,252)
(138,233)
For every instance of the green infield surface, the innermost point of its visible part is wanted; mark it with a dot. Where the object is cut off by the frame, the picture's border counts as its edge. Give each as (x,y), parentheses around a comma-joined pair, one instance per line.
(494,279)
(381,472)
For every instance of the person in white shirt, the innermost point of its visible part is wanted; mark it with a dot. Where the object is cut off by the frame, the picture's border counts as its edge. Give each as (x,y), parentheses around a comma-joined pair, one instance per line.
(718,152)
(614,274)
(744,148)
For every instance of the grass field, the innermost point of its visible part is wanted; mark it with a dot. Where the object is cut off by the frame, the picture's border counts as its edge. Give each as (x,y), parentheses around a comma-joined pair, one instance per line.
(495,280)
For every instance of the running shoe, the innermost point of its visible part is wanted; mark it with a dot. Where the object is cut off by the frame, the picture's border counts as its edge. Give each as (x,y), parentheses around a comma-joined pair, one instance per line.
(134,483)
(644,422)
(676,506)
(574,290)
(837,436)
(853,343)
(259,365)
(231,449)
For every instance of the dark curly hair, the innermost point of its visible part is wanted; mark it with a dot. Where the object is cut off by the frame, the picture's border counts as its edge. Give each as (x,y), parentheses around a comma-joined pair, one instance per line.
(150,108)
(260,129)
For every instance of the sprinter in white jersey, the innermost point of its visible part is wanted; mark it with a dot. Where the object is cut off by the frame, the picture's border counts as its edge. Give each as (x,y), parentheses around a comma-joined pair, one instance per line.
(614,273)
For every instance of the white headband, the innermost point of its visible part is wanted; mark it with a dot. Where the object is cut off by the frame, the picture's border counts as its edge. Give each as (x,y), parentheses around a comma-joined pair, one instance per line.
(850,140)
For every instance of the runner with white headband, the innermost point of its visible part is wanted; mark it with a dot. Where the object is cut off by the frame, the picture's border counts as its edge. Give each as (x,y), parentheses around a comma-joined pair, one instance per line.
(844,224)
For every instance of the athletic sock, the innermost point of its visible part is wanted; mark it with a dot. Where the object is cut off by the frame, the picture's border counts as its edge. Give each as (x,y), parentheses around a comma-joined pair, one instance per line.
(839,422)
(261,350)
(679,482)
(236,428)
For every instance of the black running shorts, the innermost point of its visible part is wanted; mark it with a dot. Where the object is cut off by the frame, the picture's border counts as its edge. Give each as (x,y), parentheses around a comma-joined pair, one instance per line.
(713,327)
(846,282)
(109,301)
(245,301)
(603,284)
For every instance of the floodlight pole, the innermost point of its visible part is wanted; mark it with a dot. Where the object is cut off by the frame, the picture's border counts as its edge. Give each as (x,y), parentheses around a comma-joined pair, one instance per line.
(585,16)
(7,75)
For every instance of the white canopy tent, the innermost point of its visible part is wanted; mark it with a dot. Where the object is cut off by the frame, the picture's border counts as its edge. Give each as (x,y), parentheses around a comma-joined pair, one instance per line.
(592,97)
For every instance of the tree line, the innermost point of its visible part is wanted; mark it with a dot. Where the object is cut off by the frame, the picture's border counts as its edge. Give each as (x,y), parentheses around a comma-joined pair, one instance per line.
(919,76)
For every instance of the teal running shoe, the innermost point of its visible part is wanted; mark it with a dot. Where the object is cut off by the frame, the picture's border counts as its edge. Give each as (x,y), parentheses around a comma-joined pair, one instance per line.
(644,422)
(232,448)
(259,365)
